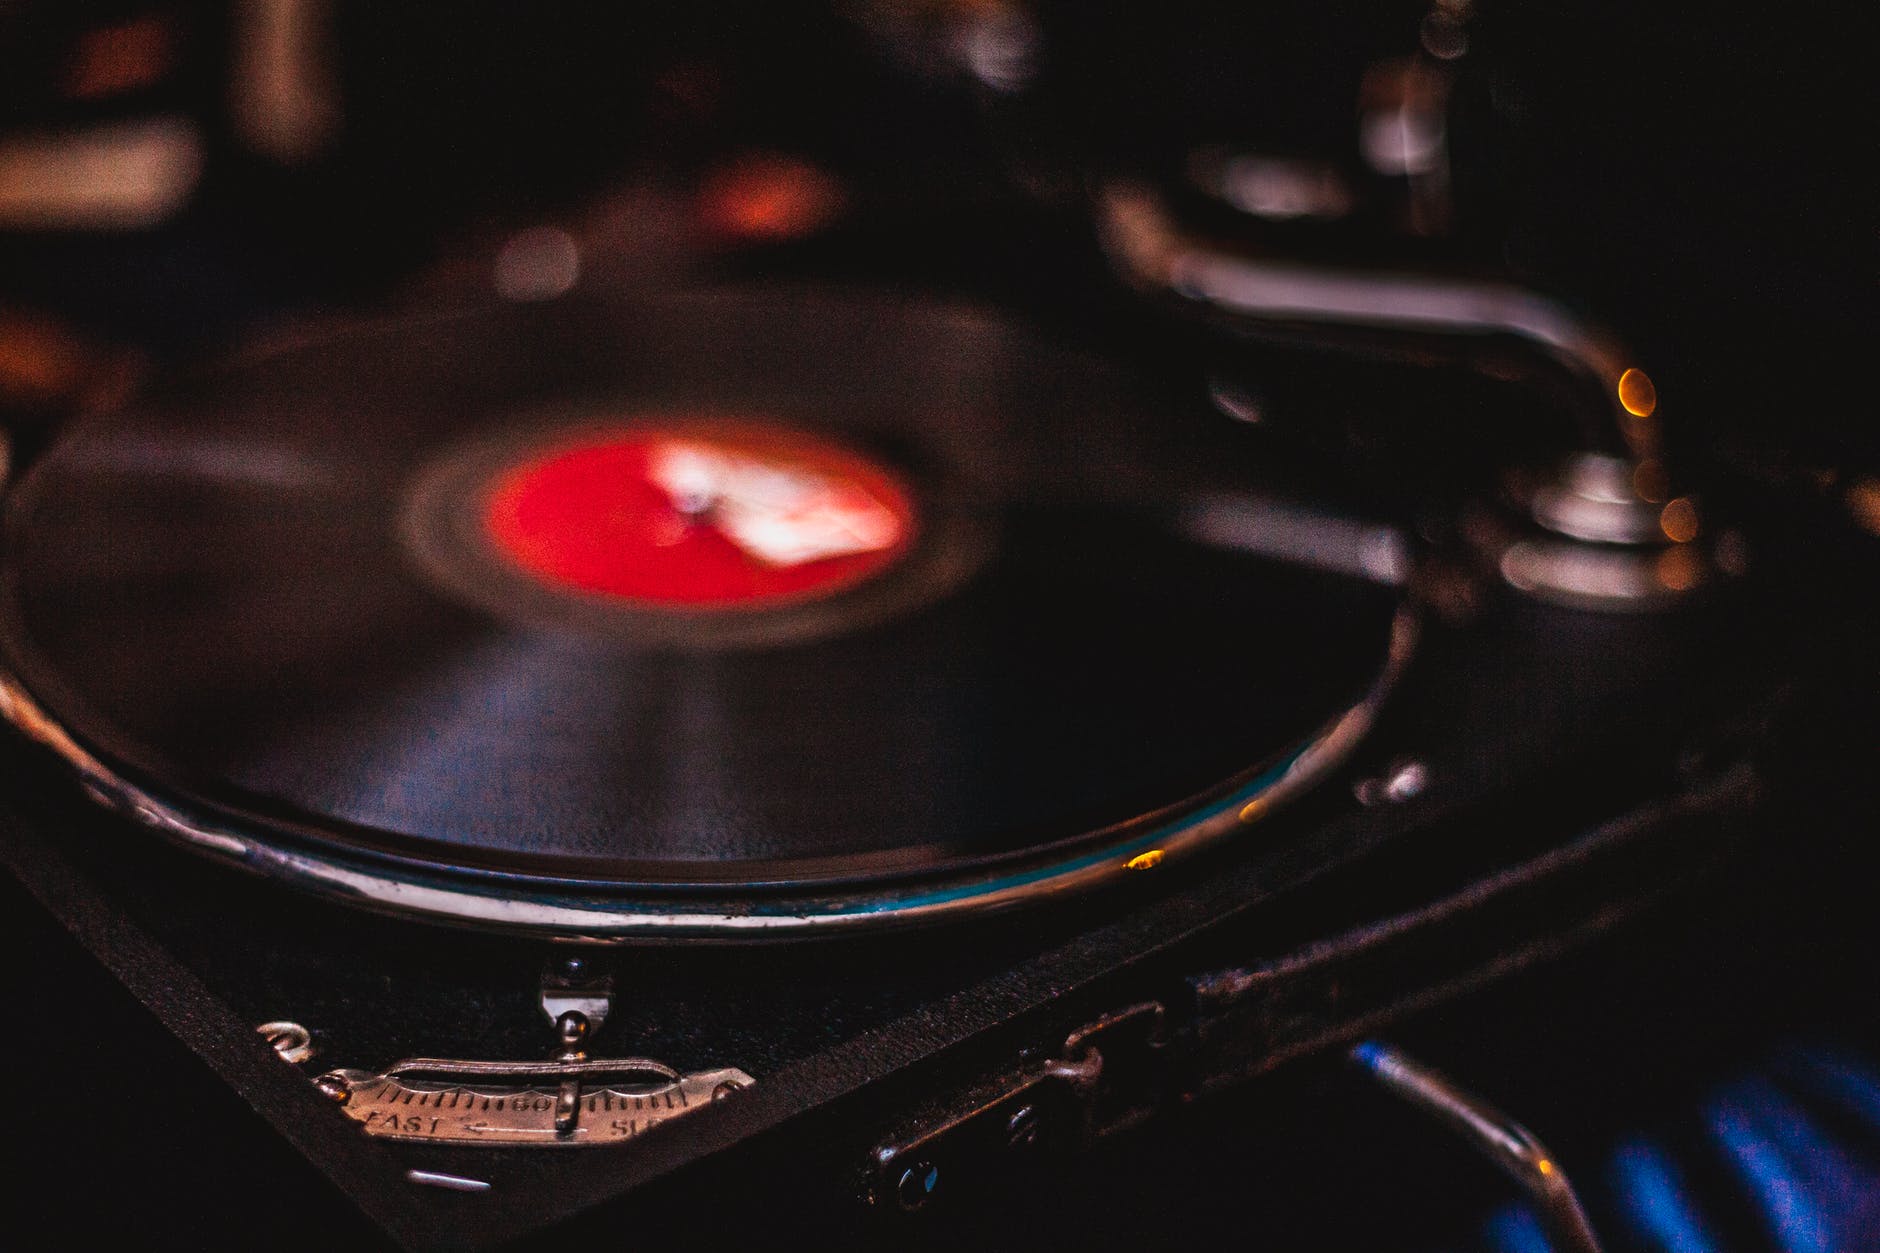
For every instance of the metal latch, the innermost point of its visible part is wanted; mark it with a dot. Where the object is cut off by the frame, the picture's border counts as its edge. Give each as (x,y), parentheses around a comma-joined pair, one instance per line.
(1102,1079)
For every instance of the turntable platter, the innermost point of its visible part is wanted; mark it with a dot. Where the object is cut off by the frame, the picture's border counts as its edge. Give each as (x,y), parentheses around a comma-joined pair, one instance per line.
(728,599)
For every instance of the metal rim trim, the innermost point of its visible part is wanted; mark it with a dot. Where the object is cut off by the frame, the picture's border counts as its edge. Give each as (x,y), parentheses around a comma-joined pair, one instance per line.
(616,917)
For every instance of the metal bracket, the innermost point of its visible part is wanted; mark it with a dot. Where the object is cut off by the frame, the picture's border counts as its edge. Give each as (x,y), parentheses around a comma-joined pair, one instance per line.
(571,985)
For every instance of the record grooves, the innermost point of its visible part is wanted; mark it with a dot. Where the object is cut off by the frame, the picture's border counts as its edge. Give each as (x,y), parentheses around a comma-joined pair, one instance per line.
(920,651)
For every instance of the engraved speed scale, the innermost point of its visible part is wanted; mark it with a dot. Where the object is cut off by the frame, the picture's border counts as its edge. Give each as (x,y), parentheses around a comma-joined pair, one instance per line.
(569,1099)
(509,1103)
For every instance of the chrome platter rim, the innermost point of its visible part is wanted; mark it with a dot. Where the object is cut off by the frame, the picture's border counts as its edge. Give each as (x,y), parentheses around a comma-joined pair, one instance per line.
(526,905)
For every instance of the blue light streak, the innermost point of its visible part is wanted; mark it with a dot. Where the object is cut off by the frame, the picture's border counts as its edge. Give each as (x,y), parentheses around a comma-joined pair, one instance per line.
(1653,1200)
(1516,1229)
(1815,1199)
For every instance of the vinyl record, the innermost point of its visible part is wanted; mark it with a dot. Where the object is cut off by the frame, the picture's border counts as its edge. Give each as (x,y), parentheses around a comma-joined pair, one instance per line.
(706,613)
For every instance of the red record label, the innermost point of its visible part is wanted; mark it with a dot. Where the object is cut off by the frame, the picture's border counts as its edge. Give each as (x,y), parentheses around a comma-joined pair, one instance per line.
(700,516)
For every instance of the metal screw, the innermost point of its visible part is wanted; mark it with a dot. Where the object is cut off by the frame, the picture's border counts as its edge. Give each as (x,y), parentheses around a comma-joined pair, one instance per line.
(291,1041)
(572,967)
(725,1089)
(571,1028)
(916,1186)
(333,1088)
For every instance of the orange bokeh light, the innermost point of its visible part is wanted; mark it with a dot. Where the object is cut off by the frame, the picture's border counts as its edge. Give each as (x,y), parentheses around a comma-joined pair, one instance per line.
(1678,520)
(1637,393)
